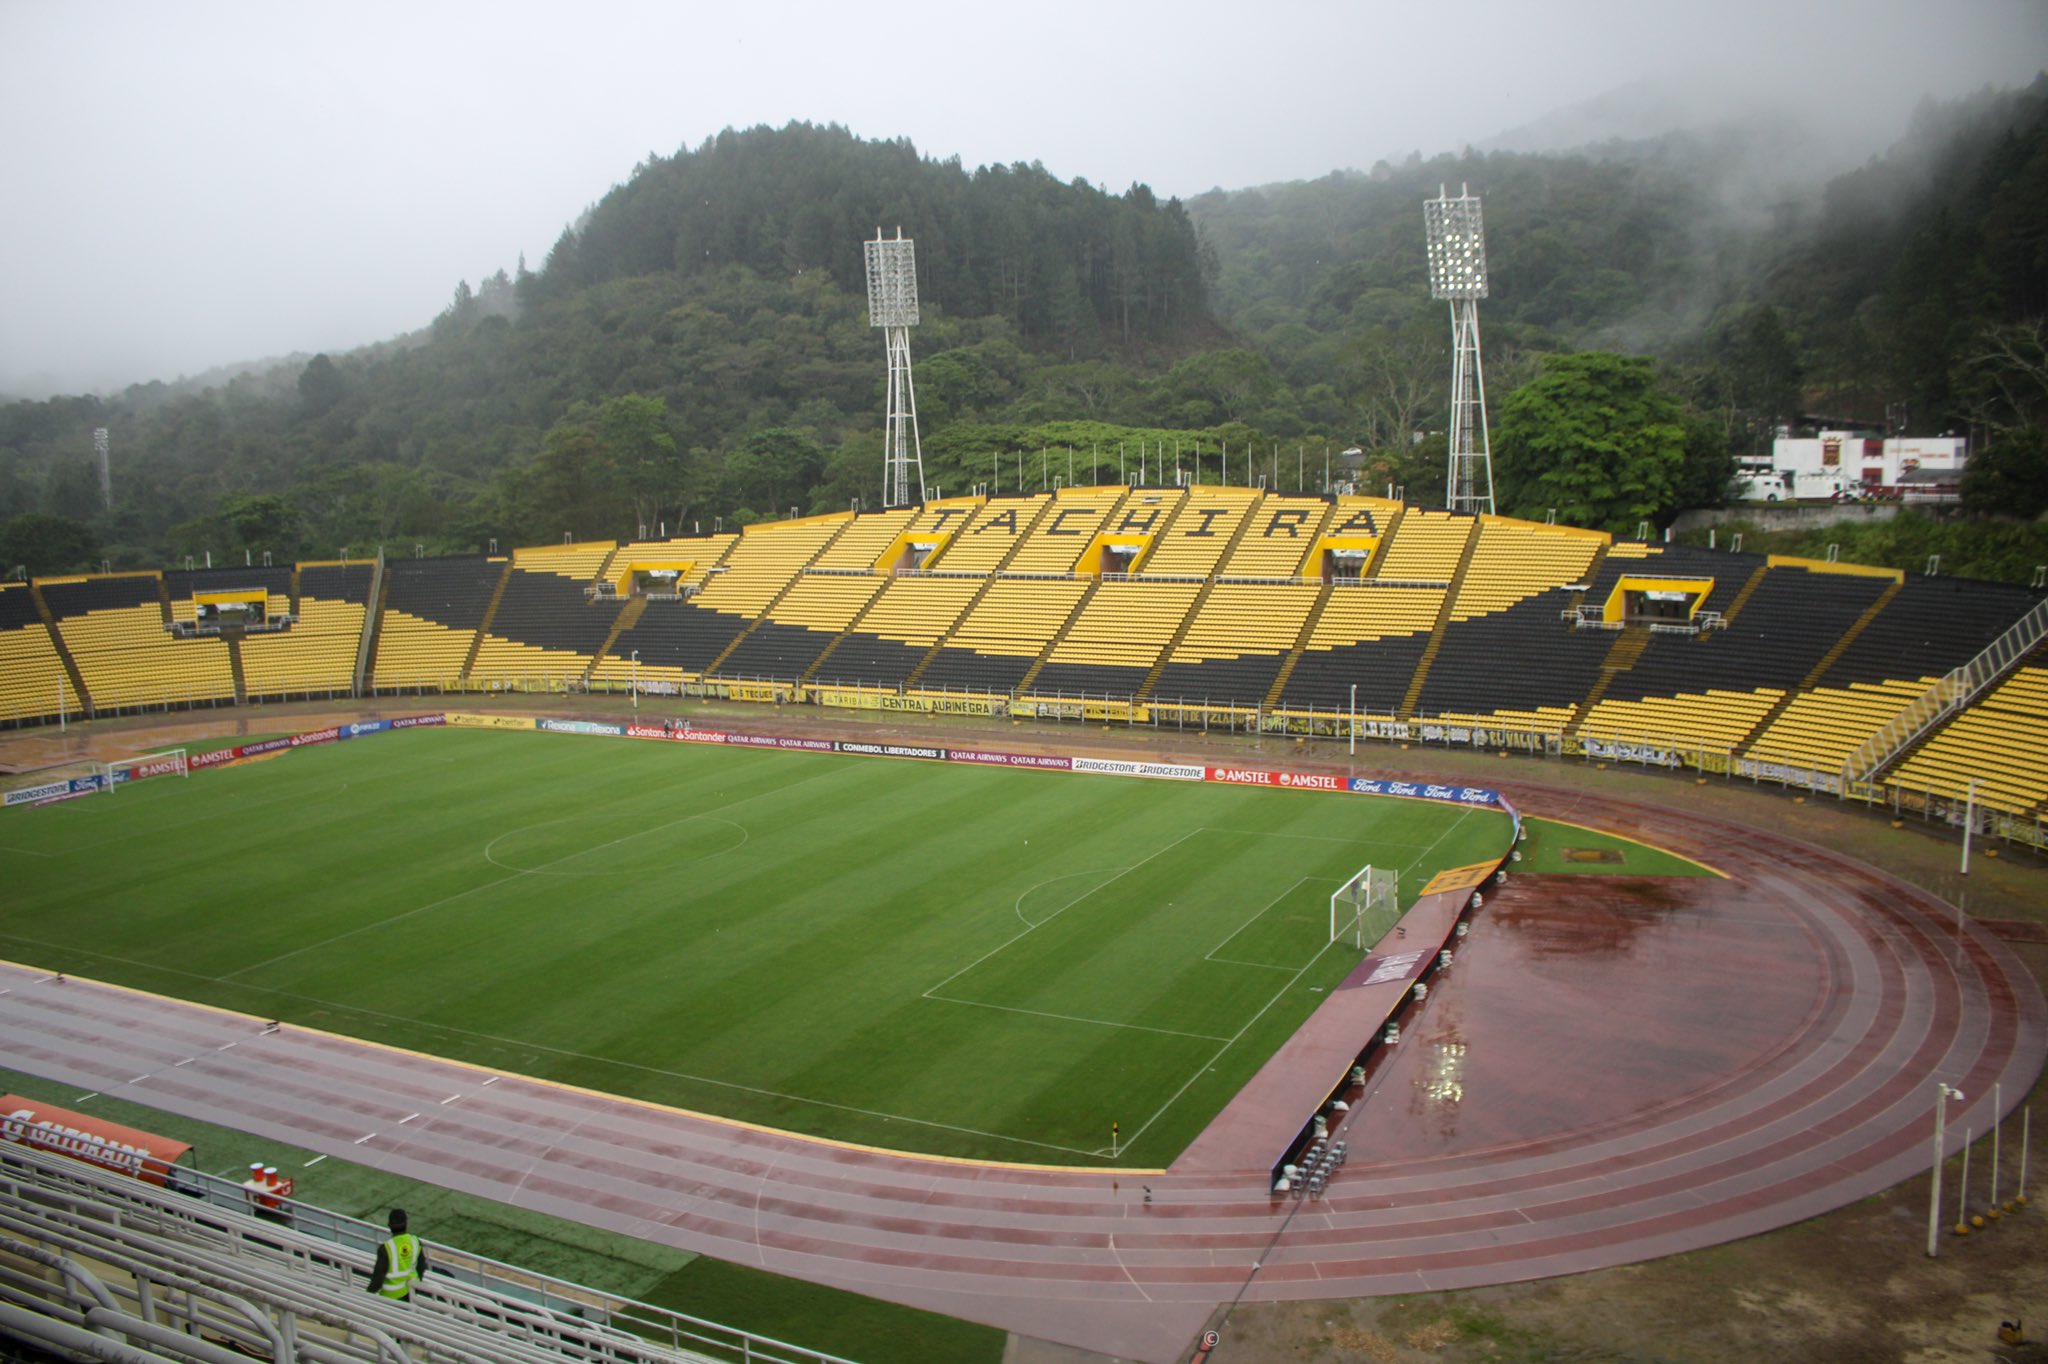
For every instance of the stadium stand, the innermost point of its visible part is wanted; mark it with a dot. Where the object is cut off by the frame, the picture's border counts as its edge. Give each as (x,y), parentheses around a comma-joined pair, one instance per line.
(546,629)
(1818,729)
(990,535)
(861,547)
(1426,546)
(1110,646)
(431,613)
(1276,543)
(317,655)
(997,641)
(99,1265)
(900,628)
(1067,525)
(33,679)
(765,562)
(1515,560)
(2000,744)
(1234,647)
(577,562)
(1281,608)
(1513,664)
(1201,530)
(815,610)
(115,630)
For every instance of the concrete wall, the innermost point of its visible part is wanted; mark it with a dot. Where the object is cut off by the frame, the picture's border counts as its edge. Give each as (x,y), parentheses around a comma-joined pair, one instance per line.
(1784,517)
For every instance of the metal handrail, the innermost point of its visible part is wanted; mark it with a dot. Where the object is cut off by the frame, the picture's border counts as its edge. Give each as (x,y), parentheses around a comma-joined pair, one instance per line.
(1948,694)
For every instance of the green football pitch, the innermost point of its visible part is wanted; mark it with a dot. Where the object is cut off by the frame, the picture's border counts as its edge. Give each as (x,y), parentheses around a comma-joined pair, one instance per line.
(950,959)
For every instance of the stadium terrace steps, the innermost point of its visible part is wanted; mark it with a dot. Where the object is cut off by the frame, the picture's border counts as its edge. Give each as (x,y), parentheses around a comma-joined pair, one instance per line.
(543,626)
(2000,743)
(815,610)
(1714,720)
(1940,623)
(1818,729)
(1622,655)
(1427,546)
(1511,561)
(992,536)
(432,612)
(1470,546)
(115,630)
(1522,659)
(1064,529)
(1120,631)
(1369,635)
(483,628)
(34,677)
(1002,634)
(1301,639)
(899,631)
(861,545)
(1275,540)
(767,559)
(1235,642)
(1203,530)
(580,563)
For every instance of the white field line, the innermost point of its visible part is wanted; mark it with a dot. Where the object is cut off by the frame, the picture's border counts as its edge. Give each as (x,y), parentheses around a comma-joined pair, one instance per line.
(1265,909)
(1033,928)
(1205,1067)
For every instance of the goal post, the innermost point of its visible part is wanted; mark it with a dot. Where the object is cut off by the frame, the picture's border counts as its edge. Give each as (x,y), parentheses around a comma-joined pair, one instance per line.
(1366,906)
(172,762)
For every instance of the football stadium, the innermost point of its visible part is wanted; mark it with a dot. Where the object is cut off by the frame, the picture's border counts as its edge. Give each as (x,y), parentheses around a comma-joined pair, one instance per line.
(1074,912)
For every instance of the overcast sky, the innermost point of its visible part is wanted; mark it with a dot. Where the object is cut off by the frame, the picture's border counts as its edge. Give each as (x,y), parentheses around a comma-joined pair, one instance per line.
(188,184)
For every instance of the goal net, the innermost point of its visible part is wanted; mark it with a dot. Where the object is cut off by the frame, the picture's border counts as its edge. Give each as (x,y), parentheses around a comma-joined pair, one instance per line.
(171,762)
(1366,906)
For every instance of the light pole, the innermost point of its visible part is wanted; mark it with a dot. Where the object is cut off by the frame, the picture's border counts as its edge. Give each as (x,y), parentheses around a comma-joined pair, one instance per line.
(1354,719)
(1943,1092)
(636,679)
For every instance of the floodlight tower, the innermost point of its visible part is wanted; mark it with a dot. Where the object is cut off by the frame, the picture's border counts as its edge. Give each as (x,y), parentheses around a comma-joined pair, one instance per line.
(1457,273)
(892,306)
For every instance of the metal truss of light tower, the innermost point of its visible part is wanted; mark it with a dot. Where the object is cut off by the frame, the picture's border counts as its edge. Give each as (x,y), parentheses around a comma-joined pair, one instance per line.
(892,306)
(1457,273)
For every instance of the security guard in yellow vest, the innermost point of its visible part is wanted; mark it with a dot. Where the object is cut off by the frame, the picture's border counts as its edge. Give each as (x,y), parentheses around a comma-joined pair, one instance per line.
(400,1262)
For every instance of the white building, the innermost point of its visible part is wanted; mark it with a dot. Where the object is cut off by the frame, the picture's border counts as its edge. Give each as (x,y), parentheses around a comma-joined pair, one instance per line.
(1846,465)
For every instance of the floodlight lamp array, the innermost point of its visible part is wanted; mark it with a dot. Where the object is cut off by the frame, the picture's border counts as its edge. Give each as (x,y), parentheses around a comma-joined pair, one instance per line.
(892,281)
(1457,246)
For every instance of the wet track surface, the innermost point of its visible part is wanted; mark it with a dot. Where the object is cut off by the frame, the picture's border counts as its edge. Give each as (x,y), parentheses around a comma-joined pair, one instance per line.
(1614,1068)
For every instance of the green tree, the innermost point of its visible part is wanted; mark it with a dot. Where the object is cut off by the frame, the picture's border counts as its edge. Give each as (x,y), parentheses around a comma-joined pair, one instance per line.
(773,469)
(644,460)
(1593,437)
(39,544)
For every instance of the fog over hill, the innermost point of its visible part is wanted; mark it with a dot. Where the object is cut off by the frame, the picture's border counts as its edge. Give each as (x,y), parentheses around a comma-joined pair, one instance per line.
(197,186)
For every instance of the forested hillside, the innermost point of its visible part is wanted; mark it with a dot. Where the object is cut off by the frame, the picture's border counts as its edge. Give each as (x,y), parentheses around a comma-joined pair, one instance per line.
(695,347)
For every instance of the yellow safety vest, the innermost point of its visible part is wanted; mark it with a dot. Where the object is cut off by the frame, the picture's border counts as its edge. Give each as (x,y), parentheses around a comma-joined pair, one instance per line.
(401,1265)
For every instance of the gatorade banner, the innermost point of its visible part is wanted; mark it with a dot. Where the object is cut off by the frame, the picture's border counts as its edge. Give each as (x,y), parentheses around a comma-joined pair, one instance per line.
(125,1150)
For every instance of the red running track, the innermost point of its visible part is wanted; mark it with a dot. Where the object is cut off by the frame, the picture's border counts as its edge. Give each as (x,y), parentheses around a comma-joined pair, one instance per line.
(1614,1069)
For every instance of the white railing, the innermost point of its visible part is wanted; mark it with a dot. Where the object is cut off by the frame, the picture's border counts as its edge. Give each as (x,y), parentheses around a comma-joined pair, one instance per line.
(1948,694)
(289,1283)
